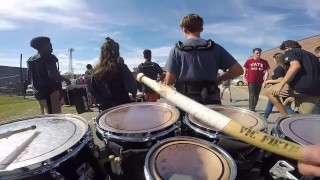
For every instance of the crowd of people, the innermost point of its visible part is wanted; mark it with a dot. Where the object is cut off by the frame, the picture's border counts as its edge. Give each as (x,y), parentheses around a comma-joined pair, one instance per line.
(192,67)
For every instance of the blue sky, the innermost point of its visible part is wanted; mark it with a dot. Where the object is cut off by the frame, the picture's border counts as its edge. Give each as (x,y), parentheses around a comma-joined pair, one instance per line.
(237,25)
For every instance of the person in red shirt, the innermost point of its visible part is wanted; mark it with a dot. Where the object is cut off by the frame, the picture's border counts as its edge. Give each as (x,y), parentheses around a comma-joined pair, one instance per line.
(255,73)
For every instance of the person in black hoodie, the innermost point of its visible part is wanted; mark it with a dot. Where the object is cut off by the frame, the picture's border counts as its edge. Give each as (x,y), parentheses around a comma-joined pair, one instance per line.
(44,76)
(153,71)
(112,81)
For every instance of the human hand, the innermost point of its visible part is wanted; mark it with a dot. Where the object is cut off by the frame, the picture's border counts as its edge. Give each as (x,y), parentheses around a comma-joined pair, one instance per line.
(264,84)
(311,154)
(277,89)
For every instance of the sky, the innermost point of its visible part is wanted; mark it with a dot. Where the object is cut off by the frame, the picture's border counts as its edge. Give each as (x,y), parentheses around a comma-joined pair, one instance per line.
(237,25)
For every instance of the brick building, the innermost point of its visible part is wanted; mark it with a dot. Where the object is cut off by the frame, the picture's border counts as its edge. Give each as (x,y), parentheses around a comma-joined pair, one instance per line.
(308,44)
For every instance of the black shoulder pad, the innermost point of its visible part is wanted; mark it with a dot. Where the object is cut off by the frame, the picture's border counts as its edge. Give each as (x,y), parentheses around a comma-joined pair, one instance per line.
(210,45)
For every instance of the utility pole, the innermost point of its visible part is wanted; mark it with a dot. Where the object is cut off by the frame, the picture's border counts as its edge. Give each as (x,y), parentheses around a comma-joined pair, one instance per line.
(70,63)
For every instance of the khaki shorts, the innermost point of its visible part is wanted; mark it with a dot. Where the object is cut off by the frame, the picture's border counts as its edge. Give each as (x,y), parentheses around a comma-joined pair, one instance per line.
(55,103)
(304,104)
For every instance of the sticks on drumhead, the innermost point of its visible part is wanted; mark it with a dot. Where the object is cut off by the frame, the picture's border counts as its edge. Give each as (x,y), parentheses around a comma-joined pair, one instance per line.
(17,151)
(224,123)
(9,133)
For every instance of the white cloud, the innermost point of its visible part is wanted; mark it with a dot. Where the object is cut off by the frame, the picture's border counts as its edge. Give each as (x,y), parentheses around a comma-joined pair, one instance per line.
(7,25)
(62,12)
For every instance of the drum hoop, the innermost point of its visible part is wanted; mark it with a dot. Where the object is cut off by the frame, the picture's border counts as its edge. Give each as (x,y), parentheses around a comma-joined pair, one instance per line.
(142,137)
(278,131)
(47,116)
(128,134)
(85,136)
(51,165)
(207,132)
(229,159)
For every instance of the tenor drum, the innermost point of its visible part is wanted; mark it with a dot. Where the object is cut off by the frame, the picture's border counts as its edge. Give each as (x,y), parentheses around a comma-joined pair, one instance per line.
(60,146)
(129,130)
(245,155)
(138,122)
(302,129)
(188,158)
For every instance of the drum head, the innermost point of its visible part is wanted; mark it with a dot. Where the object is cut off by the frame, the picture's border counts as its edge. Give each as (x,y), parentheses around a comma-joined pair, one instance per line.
(242,116)
(57,134)
(302,129)
(188,158)
(138,118)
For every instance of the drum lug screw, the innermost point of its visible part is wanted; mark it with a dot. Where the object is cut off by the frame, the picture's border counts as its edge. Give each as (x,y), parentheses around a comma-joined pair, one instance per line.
(56,175)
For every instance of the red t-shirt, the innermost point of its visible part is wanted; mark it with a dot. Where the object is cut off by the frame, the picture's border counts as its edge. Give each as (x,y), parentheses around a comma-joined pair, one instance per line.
(256,69)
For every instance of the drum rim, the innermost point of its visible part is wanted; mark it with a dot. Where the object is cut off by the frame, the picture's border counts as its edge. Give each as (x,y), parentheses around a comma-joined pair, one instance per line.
(128,133)
(205,128)
(58,158)
(224,153)
(278,131)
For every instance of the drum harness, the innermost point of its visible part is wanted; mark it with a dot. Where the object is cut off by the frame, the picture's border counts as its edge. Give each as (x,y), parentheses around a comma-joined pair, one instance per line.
(196,88)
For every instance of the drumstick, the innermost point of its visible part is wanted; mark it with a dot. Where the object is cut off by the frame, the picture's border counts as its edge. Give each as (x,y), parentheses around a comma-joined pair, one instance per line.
(17,151)
(9,133)
(225,124)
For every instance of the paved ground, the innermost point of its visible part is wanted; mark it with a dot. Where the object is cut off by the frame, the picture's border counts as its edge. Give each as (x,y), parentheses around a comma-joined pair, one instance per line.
(239,97)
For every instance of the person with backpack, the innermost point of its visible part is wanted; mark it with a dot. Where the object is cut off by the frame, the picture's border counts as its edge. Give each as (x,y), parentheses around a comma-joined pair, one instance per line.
(225,86)
(153,71)
(44,75)
(111,81)
(192,65)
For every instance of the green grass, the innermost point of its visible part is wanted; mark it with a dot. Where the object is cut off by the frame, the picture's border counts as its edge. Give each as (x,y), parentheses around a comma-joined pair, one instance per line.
(16,107)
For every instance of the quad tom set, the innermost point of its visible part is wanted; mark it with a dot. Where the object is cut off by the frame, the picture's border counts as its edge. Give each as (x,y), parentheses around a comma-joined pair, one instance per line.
(147,140)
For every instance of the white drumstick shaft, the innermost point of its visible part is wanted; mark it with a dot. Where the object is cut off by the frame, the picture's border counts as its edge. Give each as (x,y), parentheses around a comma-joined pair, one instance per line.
(188,105)
(17,151)
(225,124)
(9,133)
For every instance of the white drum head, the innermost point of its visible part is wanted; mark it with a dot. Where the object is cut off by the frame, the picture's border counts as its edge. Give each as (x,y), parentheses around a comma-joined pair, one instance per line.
(189,158)
(57,134)
(138,118)
(302,129)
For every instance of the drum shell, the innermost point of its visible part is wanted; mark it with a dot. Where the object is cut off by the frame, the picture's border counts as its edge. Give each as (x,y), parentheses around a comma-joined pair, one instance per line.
(150,169)
(66,163)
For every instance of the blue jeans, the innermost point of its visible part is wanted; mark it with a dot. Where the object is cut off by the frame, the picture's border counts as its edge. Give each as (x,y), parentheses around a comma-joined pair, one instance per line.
(269,109)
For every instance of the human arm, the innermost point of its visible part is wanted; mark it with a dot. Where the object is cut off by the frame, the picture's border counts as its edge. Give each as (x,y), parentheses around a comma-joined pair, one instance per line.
(172,68)
(235,71)
(245,75)
(265,78)
(55,75)
(266,75)
(292,71)
(129,81)
(311,154)
(160,72)
(170,78)
(52,69)
(274,81)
